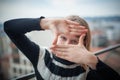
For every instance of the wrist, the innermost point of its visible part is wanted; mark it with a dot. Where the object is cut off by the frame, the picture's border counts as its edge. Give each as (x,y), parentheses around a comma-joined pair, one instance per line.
(92,61)
(44,23)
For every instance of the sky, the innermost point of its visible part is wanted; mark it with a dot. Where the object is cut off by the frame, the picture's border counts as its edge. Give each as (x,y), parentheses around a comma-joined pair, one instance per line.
(57,8)
(10,9)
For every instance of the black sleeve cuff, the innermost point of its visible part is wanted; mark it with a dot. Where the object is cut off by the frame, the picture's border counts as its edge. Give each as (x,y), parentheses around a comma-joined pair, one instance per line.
(42,17)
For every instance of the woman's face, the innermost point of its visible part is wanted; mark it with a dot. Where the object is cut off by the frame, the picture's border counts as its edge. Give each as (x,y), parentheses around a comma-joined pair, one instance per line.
(68,39)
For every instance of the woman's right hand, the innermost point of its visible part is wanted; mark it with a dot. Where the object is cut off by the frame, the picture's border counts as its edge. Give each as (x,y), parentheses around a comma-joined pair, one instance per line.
(62,26)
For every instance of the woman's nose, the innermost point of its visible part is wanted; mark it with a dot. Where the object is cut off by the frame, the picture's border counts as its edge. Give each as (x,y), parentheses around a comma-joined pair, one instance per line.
(67,42)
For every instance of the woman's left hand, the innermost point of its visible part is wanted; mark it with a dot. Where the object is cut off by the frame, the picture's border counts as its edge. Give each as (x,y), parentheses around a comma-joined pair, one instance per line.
(75,53)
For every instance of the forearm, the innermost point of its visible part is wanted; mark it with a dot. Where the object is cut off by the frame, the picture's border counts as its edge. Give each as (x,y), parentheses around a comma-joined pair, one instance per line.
(21,26)
(102,72)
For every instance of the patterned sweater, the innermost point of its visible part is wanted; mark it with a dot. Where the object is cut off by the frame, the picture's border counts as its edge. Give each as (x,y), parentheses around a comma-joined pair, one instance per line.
(46,65)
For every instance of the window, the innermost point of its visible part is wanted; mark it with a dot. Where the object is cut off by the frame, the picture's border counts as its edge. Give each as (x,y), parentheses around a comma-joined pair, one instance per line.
(20,71)
(26,72)
(16,60)
(14,70)
(25,62)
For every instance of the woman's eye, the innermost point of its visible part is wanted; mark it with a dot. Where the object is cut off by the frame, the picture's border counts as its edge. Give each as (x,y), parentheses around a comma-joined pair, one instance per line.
(63,38)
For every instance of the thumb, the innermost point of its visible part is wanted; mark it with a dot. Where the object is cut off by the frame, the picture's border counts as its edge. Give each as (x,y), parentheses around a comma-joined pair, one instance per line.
(55,39)
(81,39)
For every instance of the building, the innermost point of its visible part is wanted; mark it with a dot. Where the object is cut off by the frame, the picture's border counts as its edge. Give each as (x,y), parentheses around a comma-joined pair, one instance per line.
(105,30)
(12,62)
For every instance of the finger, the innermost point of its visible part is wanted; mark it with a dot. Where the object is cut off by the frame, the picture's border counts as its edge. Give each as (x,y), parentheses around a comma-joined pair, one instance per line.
(55,39)
(81,39)
(59,49)
(52,47)
(58,53)
(60,46)
(78,30)
(77,27)
(72,22)
(77,33)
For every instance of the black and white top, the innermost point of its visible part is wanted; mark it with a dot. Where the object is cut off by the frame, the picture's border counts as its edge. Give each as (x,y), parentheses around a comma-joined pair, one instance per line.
(46,65)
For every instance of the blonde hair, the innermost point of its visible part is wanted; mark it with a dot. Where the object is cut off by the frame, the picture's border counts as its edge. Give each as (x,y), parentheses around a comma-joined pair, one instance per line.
(82,22)
(87,39)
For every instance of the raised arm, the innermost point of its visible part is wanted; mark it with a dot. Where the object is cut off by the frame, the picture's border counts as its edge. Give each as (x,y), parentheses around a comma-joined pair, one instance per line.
(16,30)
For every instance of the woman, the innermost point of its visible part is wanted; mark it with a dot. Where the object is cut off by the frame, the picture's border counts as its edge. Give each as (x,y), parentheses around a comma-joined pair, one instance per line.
(68,58)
